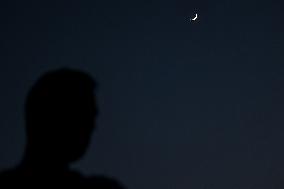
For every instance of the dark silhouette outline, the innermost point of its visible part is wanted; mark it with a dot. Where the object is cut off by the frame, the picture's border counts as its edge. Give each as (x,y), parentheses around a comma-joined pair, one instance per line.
(60,113)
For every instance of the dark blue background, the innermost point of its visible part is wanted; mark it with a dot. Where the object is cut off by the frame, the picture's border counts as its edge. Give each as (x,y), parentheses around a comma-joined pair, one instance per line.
(183,104)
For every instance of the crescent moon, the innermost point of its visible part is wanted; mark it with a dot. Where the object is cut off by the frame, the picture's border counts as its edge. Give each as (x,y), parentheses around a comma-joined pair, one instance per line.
(194,17)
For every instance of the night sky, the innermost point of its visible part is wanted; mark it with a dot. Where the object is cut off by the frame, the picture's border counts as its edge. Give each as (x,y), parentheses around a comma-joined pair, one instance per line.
(183,104)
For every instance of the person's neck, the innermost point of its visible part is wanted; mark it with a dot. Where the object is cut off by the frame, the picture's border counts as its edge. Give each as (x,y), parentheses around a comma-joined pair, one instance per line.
(40,162)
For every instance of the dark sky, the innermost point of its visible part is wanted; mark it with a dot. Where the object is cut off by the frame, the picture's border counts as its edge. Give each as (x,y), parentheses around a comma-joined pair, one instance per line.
(183,104)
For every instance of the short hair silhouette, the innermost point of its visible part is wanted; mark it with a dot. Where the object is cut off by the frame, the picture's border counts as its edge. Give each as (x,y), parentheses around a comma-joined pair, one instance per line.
(60,112)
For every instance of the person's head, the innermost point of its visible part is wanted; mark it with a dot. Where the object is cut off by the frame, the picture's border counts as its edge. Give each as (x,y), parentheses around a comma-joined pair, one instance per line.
(60,115)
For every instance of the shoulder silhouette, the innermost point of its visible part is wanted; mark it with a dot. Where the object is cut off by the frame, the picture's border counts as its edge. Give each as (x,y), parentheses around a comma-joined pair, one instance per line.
(60,114)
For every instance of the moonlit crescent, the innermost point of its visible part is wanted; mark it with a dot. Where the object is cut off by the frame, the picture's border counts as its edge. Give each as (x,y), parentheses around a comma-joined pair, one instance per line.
(194,17)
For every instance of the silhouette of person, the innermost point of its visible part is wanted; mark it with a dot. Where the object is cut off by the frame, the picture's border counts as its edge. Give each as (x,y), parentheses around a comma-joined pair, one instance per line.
(60,113)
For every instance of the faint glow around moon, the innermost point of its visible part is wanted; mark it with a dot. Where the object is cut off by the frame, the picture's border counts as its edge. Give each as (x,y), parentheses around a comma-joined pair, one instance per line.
(193,19)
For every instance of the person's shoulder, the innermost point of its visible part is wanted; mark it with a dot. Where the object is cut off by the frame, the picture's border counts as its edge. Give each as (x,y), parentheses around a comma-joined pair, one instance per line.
(7,174)
(103,182)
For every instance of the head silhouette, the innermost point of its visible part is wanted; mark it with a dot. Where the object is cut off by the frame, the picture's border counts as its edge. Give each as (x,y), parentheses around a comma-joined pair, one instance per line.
(60,116)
